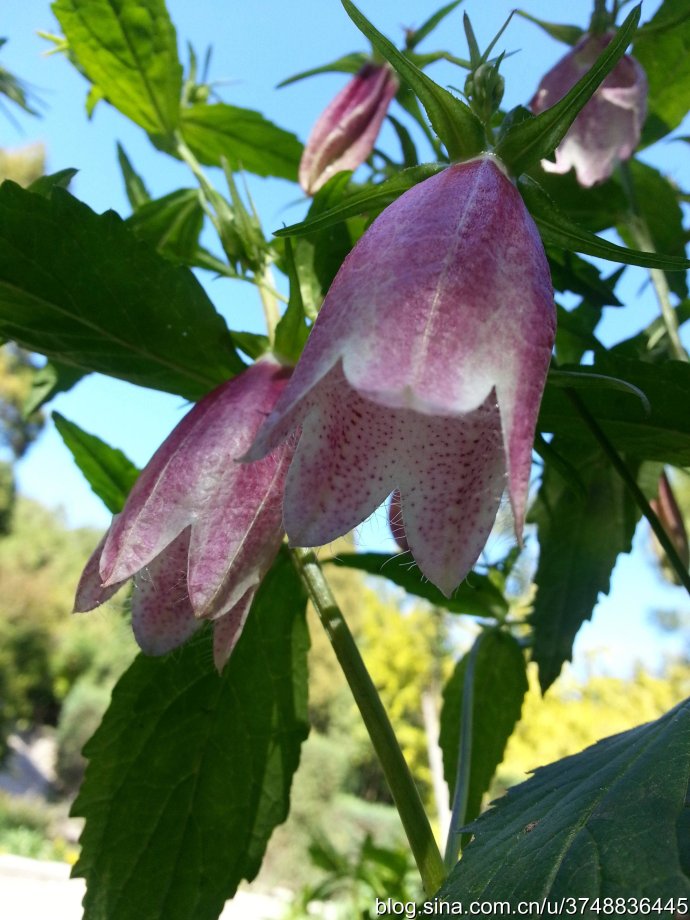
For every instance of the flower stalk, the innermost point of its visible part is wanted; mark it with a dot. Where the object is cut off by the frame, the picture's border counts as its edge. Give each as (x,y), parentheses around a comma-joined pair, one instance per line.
(395,769)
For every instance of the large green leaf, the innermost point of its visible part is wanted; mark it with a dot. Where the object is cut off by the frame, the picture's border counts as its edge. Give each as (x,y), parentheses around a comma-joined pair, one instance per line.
(454,122)
(663,49)
(171,224)
(47,382)
(107,470)
(532,139)
(663,434)
(657,201)
(606,823)
(557,228)
(580,538)
(476,596)
(190,771)
(128,49)
(246,139)
(499,686)
(80,287)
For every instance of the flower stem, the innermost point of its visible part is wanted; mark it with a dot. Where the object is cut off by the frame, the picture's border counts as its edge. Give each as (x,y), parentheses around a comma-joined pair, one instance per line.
(396,771)
(630,482)
(464,765)
(642,238)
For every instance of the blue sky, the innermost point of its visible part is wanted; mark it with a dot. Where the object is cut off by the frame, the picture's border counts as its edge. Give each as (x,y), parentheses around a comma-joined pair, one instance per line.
(255,46)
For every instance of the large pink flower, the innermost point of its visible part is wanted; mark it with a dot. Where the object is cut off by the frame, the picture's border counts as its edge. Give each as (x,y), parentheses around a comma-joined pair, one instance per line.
(424,372)
(199,530)
(345,133)
(608,128)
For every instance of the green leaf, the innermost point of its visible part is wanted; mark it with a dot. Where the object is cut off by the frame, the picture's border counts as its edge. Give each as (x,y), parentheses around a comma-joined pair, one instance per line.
(476,596)
(663,435)
(580,539)
(252,344)
(292,331)
(596,208)
(368,199)
(79,287)
(245,138)
(656,199)
(107,470)
(454,122)
(47,382)
(128,49)
(500,684)
(171,224)
(44,185)
(571,273)
(601,824)
(582,379)
(137,193)
(190,771)
(349,63)
(571,35)
(557,228)
(529,141)
(575,332)
(663,48)
(427,27)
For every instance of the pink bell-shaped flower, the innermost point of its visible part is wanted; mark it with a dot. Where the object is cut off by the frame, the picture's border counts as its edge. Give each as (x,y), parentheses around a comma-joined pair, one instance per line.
(345,133)
(424,372)
(608,128)
(199,530)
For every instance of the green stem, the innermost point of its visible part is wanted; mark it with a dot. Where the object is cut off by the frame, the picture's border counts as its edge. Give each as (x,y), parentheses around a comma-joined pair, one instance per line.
(464,765)
(630,482)
(395,769)
(269,301)
(642,238)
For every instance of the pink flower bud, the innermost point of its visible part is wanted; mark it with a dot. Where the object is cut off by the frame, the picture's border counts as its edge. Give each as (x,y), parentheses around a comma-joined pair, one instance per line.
(199,530)
(346,132)
(424,372)
(671,518)
(608,128)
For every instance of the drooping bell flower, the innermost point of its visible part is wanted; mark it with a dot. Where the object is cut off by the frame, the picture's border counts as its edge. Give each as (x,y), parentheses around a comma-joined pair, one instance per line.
(423,372)
(199,530)
(345,133)
(607,130)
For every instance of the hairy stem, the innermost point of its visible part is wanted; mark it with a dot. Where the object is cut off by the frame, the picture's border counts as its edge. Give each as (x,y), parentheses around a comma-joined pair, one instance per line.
(464,765)
(642,238)
(395,769)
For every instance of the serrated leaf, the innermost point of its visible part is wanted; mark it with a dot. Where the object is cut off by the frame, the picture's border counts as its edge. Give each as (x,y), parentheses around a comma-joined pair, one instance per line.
(171,224)
(476,596)
(663,49)
(47,382)
(529,141)
(292,331)
(657,202)
(107,470)
(369,199)
(557,228)
(44,185)
(128,49)
(190,772)
(500,684)
(253,344)
(349,63)
(454,122)
(662,435)
(580,539)
(80,288)
(604,823)
(137,193)
(596,208)
(246,139)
